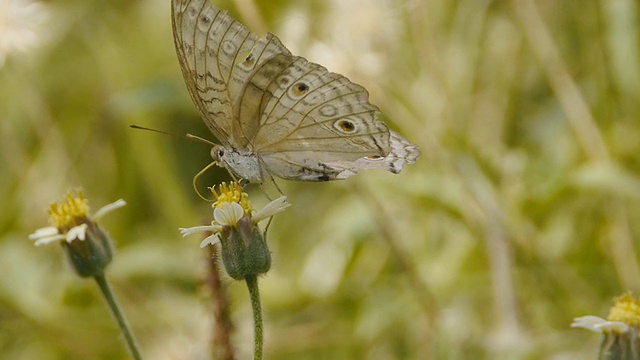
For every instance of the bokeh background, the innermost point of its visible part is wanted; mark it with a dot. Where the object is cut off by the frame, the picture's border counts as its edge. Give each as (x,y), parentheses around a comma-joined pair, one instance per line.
(521,214)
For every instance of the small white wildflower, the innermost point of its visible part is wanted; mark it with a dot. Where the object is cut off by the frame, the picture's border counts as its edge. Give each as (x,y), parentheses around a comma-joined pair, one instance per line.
(69,220)
(231,206)
(22,26)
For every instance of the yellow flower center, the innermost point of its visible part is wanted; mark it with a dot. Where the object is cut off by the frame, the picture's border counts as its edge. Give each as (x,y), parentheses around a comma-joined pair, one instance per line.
(231,193)
(69,212)
(626,309)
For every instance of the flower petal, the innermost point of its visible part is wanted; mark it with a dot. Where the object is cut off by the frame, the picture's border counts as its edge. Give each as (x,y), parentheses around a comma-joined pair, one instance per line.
(272,208)
(210,240)
(197,229)
(109,208)
(44,232)
(589,322)
(77,232)
(48,239)
(613,326)
(600,325)
(229,214)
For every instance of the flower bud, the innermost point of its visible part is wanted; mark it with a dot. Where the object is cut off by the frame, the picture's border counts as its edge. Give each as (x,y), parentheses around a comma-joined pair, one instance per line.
(244,250)
(91,256)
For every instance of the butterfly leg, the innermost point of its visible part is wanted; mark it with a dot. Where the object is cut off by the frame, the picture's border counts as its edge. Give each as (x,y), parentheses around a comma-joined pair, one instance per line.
(264,233)
(270,180)
(242,182)
(263,188)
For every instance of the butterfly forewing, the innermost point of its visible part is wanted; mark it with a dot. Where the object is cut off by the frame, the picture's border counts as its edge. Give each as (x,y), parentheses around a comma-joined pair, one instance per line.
(217,55)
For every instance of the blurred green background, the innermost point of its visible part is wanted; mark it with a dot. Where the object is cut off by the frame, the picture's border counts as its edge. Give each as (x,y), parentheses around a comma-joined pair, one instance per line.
(520,215)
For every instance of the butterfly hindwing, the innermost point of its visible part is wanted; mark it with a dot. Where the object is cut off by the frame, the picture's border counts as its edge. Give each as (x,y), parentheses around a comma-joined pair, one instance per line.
(309,117)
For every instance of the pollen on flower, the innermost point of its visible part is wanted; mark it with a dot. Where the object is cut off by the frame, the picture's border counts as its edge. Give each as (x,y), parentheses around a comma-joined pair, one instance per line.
(626,309)
(231,193)
(69,212)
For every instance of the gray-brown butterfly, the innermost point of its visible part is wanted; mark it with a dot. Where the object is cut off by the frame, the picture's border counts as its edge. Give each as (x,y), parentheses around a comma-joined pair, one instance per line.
(275,113)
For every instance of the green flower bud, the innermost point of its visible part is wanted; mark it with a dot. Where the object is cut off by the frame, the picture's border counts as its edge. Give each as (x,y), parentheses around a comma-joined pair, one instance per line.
(244,250)
(92,255)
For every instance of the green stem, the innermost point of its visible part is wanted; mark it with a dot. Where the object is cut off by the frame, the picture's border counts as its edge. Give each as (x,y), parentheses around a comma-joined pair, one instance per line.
(252,284)
(107,292)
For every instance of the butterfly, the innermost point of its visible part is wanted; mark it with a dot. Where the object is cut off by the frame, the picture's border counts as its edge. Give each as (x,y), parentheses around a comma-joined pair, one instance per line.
(275,113)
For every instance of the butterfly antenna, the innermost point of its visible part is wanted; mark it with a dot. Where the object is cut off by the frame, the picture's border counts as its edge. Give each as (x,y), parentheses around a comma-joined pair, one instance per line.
(187,136)
(195,179)
(199,139)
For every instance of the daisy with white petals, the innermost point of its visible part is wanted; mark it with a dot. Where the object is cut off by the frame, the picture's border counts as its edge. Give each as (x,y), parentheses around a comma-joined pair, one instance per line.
(69,220)
(231,205)
(243,247)
(90,255)
(621,329)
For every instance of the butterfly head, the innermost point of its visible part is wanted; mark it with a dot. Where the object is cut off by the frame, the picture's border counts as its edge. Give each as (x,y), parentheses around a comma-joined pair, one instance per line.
(217,152)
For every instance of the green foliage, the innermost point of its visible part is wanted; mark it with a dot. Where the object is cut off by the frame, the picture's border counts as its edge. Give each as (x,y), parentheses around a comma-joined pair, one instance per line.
(518,217)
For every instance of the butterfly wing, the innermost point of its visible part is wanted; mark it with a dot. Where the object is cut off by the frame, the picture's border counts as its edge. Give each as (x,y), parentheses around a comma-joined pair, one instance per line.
(316,125)
(402,152)
(300,120)
(217,56)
